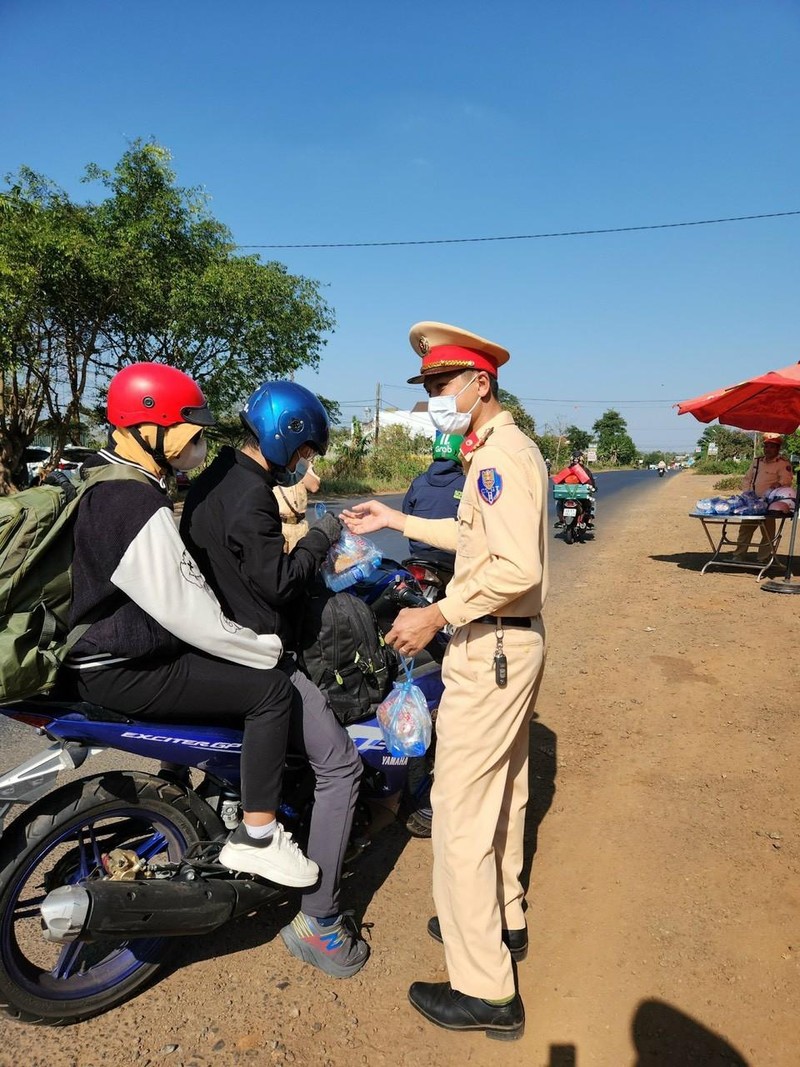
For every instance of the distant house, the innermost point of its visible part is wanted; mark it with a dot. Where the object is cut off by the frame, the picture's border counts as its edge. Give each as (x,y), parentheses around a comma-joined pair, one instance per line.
(416,421)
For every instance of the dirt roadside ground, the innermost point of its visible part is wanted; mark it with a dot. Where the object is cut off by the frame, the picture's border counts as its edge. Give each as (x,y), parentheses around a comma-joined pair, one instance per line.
(664,895)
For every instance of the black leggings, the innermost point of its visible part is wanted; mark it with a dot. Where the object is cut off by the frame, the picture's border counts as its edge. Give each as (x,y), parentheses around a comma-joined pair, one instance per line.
(199,689)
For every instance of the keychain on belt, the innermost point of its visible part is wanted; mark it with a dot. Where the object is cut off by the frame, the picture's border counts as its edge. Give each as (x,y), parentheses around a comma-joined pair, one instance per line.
(500,661)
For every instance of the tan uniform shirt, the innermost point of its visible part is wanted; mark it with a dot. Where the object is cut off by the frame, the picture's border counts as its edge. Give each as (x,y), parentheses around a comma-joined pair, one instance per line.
(764,476)
(292,503)
(500,532)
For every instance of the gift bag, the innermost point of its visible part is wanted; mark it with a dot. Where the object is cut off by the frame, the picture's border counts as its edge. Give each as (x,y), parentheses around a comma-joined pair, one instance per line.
(404,718)
(350,560)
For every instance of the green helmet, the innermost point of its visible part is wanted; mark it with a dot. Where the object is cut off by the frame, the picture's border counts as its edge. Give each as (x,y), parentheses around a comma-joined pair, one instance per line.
(446,446)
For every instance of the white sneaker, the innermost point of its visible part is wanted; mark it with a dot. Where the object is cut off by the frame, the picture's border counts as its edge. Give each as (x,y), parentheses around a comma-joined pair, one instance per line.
(276,858)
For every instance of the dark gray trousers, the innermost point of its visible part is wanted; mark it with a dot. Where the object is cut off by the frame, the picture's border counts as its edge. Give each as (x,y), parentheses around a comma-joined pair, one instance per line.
(200,689)
(315,732)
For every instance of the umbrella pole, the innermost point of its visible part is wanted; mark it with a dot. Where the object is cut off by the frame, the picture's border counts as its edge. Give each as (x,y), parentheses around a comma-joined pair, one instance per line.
(786,585)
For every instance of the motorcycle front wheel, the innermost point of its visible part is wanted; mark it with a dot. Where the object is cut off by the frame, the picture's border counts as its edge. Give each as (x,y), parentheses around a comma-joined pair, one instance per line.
(59,841)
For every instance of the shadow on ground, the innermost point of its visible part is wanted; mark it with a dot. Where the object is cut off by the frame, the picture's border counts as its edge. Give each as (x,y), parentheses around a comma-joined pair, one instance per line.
(542,763)
(663,1036)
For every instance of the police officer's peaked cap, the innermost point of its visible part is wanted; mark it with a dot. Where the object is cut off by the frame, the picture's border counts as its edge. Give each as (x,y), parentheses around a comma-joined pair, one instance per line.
(446,348)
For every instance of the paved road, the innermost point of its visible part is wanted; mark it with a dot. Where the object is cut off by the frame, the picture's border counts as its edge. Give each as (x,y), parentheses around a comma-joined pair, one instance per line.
(613,490)
(567,563)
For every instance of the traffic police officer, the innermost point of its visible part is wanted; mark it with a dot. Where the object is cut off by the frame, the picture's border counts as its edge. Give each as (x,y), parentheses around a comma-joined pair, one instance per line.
(491,670)
(770,471)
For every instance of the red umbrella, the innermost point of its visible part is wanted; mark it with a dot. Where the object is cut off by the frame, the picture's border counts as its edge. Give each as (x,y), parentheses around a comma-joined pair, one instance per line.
(770,402)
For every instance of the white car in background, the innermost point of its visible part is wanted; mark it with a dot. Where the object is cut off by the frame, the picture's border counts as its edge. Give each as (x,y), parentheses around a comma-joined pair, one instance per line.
(37,458)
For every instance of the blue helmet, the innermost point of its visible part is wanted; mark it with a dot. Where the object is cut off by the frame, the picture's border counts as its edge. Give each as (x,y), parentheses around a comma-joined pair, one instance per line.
(283,417)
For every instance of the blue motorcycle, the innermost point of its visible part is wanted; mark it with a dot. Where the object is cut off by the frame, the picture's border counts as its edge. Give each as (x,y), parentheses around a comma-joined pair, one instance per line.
(98,876)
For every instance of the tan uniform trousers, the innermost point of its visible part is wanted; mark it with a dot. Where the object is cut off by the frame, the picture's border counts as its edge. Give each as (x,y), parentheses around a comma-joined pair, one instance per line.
(479,797)
(745,536)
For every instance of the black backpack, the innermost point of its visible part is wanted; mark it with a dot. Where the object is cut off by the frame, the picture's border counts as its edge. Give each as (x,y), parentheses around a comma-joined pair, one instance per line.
(344,654)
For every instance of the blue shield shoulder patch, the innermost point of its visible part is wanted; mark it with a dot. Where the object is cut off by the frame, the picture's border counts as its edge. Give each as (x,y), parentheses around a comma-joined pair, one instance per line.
(490,485)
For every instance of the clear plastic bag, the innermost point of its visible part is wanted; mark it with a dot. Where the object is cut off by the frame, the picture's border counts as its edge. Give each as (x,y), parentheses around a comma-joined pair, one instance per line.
(404,718)
(705,506)
(350,560)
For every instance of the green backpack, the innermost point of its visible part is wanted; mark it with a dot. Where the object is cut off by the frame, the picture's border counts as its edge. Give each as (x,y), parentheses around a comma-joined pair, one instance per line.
(36,546)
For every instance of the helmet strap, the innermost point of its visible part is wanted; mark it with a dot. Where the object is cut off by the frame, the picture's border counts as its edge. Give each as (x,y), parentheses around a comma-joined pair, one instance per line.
(158,451)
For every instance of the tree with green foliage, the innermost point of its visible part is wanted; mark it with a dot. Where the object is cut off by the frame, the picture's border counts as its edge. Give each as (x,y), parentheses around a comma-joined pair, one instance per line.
(654,457)
(333,408)
(731,443)
(791,444)
(145,274)
(579,440)
(614,443)
(520,416)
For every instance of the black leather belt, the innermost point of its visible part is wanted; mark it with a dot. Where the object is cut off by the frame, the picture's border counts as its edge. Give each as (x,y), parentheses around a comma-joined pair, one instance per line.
(505,621)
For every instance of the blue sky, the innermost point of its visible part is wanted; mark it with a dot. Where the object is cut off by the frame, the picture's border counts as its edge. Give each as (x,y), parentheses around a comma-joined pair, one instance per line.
(319,122)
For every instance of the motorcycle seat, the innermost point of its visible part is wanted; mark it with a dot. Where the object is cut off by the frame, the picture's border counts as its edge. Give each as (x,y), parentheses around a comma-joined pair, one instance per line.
(52,704)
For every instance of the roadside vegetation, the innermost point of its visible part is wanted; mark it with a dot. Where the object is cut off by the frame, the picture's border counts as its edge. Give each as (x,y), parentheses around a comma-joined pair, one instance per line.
(145,272)
(730,452)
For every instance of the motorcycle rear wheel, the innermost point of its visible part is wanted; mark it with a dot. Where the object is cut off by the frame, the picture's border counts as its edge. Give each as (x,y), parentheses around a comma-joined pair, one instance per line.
(569,533)
(60,841)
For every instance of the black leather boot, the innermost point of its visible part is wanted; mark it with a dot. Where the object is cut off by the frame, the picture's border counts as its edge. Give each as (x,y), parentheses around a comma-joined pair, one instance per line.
(516,941)
(446,1007)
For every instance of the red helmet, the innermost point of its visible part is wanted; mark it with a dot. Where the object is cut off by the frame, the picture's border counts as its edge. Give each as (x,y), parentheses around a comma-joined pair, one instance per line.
(156,393)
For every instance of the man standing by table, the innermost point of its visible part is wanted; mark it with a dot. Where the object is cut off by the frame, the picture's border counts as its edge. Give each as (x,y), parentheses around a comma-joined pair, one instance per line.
(491,670)
(769,471)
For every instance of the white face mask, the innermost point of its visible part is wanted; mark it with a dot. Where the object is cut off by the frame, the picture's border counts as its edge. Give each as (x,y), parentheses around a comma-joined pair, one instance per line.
(193,455)
(445,415)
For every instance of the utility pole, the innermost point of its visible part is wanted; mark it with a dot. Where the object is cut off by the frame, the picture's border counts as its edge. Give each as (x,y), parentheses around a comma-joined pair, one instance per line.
(377,409)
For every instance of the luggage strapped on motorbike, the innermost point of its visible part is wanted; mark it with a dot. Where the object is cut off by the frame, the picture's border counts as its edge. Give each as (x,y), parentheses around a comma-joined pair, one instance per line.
(36,547)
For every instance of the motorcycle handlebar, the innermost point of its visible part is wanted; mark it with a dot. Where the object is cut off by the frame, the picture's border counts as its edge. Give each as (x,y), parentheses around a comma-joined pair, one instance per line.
(407,598)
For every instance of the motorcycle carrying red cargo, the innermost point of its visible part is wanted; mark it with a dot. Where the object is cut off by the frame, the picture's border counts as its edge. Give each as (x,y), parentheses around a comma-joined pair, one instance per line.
(36,547)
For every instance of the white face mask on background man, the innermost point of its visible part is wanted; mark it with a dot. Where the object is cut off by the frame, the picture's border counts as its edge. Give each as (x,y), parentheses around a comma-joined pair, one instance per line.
(445,415)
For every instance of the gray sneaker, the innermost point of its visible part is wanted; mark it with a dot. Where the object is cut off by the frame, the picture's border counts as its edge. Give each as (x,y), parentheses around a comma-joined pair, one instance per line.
(276,858)
(337,949)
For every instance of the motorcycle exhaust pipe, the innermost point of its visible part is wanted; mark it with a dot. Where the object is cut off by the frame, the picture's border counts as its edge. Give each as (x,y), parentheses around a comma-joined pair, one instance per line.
(169,908)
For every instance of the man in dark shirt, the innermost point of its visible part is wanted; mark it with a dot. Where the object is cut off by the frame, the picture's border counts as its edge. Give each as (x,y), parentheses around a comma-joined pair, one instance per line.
(232,526)
(436,493)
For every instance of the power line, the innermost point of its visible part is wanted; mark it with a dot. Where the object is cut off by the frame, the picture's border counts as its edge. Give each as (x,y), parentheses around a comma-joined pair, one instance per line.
(558,400)
(621,403)
(527,236)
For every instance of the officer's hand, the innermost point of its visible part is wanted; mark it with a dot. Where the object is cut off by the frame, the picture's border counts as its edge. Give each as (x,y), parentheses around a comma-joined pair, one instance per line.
(331,526)
(371,516)
(414,628)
